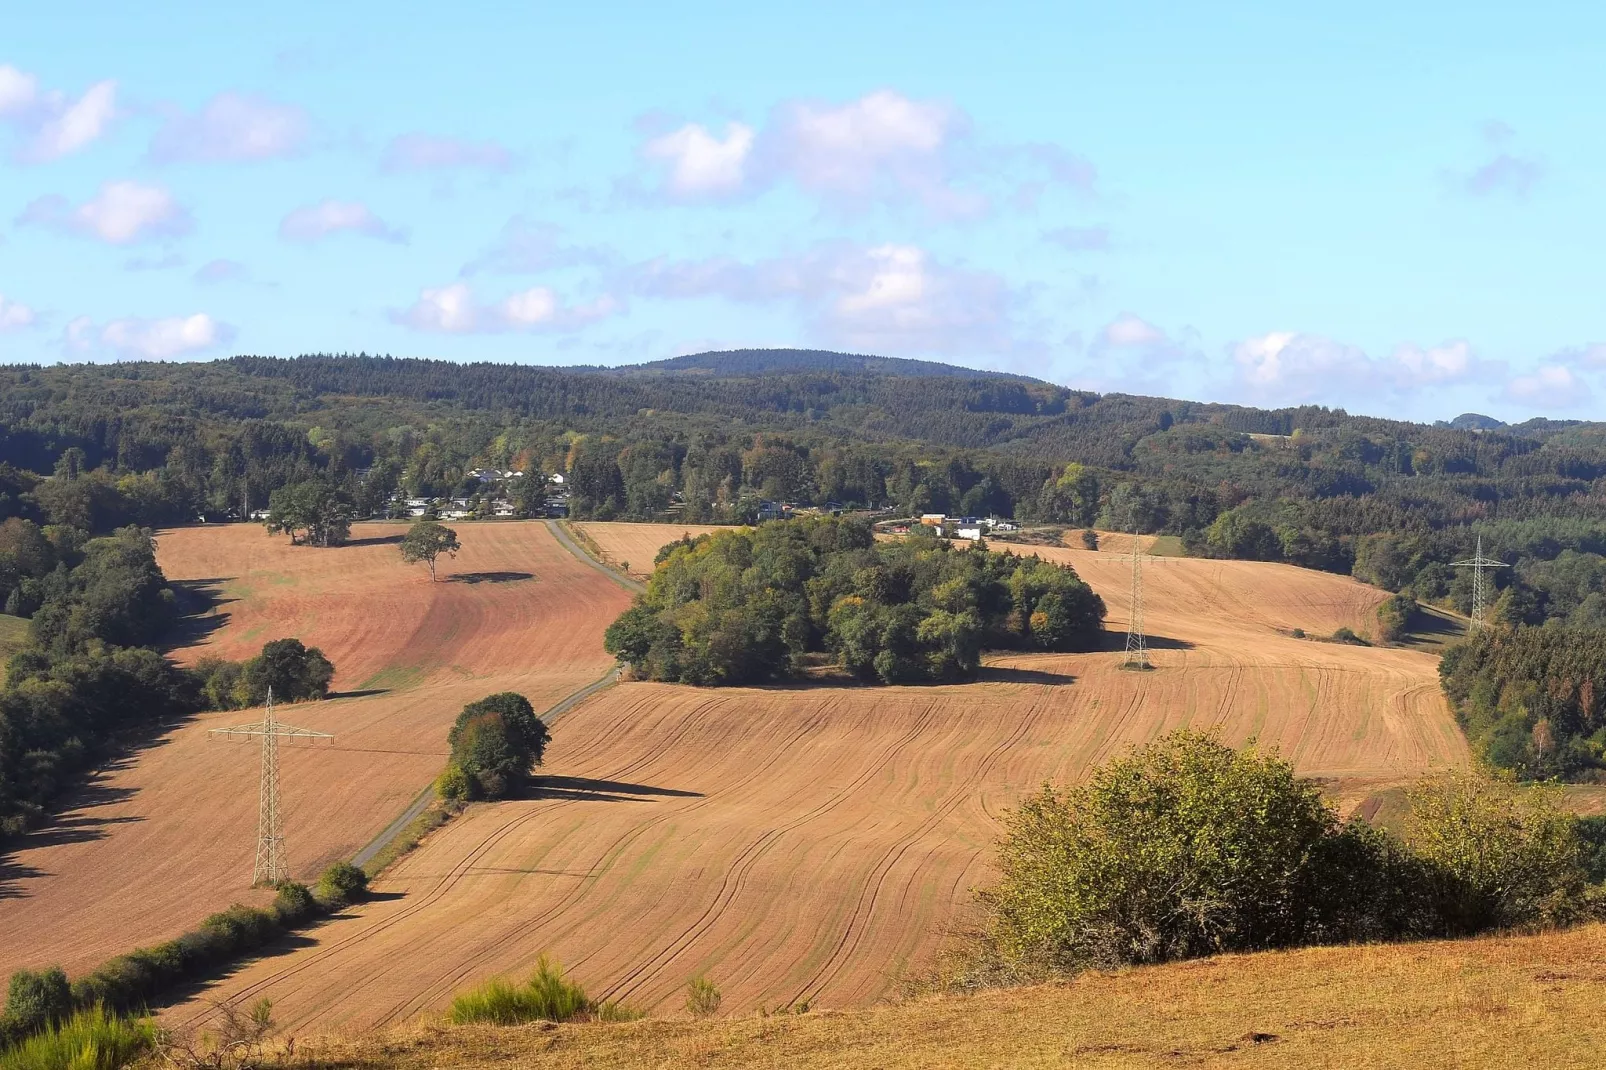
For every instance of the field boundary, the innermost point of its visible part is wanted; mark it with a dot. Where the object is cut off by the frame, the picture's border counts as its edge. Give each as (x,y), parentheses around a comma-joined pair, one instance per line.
(571,542)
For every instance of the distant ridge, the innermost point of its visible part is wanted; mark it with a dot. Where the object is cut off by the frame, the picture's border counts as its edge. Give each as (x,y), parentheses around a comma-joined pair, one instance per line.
(743,363)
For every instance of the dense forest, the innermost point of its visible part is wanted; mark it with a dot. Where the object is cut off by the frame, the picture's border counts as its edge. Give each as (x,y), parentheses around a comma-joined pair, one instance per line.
(1533,699)
(750,605)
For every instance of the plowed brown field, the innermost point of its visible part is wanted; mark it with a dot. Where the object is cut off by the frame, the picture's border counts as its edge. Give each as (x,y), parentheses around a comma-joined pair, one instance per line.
(636,545)
(169,835)
(815,843)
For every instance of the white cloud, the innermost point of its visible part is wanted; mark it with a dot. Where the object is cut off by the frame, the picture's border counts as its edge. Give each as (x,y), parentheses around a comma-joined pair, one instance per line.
(426,152)
(14,315)
(893,298)
(454,309)
(1588,356)
(883,145)
(1549,386)
(700,164)
(1128,330)
(315,222)
(147,339)
(54,125)
(232,127)
(18,90)
(122,212)
(1291,367)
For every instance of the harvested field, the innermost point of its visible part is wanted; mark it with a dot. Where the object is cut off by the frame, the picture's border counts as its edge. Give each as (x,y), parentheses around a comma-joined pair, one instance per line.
(637,544)
(168,835)
(814,843)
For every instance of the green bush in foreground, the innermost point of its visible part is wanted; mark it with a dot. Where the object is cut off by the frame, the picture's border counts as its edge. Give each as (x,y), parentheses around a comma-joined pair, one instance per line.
(92,1039)
(547,996)
(1187,847)
(34,999)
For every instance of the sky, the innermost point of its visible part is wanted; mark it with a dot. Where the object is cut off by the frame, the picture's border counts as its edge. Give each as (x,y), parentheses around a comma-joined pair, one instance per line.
(1391,207)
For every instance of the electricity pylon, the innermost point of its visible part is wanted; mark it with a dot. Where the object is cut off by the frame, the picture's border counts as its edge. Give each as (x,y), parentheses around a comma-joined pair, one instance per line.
(1137,644)
(1480,593)
(270,867)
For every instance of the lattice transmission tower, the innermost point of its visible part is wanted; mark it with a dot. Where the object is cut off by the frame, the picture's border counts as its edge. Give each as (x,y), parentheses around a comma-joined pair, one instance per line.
(1137,644)
(270,867)
(1480,589)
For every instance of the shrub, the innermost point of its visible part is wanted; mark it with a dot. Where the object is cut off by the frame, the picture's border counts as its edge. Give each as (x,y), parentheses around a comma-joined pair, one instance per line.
(342,883)
(92,1039)
(35,999)
(293,904)
(453,785)
(1090,539)
(1185,847)
(547,996)
(702,998)
(1394,617)
(1348,636)
(1500,854)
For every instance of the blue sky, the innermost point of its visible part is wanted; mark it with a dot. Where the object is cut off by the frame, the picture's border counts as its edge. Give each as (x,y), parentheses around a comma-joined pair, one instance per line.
(1397,210)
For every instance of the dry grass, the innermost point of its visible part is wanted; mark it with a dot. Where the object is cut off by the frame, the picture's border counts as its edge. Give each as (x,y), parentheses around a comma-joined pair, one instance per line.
(1506,1002)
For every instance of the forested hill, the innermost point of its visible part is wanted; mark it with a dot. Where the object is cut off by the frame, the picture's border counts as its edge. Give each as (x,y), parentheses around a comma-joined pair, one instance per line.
(743,363)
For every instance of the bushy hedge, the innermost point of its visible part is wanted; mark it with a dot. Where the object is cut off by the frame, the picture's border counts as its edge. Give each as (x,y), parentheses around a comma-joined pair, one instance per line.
(131,982)
(1187,847)
(749,605)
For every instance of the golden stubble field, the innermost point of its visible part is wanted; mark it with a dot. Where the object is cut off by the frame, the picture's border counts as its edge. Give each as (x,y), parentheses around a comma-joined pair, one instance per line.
(819,843)
(168,835)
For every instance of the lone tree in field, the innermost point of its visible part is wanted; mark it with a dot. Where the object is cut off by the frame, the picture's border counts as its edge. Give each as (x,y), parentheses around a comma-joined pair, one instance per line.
(427,541)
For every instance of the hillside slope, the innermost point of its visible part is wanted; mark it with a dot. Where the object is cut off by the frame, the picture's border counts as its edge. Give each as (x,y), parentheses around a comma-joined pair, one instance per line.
(1531,1001)
(816,843)
(167,836)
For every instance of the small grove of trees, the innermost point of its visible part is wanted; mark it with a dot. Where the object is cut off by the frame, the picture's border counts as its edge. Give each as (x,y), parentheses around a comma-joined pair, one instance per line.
(495,743)
(749,605)
(312,512)
(294,671)
(426,541)
(1187,847)
(1532,700)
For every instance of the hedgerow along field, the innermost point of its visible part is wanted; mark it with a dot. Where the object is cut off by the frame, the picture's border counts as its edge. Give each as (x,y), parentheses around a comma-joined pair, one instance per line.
(817,844)
(167,836)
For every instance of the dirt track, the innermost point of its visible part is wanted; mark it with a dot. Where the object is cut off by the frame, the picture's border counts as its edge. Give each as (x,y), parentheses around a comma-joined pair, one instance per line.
(168,836)
(815,843)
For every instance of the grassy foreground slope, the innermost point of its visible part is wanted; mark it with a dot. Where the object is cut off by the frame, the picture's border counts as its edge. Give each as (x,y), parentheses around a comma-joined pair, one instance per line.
(1494,1002)
(166,836)
(815,842)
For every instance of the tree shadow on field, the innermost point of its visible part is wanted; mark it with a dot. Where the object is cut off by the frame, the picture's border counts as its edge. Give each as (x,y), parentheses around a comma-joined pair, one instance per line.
(67,826)
(197,602)
(358,693)
(585,789)
(12,873)
(489,577)
(1010,674)
(1116,640)
(375,540)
